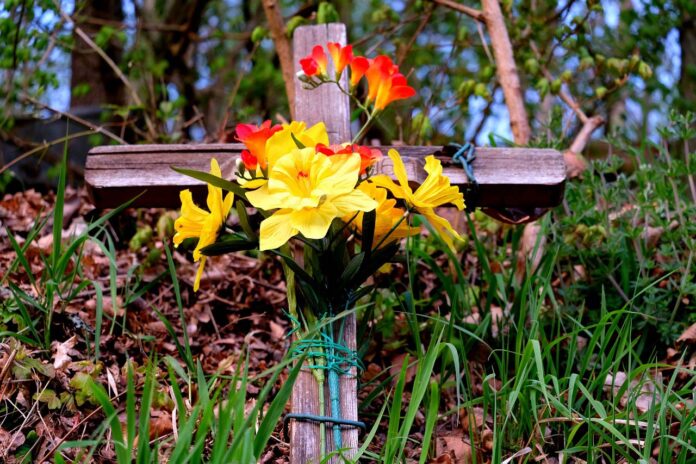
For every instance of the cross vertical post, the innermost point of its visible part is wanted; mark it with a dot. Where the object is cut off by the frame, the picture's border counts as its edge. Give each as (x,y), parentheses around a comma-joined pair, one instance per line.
(329,105)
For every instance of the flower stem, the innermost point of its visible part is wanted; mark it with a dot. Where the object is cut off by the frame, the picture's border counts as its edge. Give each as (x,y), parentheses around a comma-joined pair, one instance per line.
(363,130)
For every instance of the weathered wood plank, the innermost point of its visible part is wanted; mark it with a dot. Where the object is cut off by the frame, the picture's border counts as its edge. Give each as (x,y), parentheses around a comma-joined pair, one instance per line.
(507,177)
(331,106)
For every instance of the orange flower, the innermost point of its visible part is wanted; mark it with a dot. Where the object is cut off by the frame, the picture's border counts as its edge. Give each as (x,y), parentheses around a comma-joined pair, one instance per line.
(341,56)
(254,137)
(358,67)
(385,83)
(316,63)
(368,156)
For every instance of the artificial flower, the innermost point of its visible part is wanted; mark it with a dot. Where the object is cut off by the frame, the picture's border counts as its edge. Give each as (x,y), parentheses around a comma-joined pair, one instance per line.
(255,138)
(368,156)
(390,221)
(341,56)
(308,190)
(385,84)
(316,63)
(282,142)
(195,222)
(433,192)
(358,67)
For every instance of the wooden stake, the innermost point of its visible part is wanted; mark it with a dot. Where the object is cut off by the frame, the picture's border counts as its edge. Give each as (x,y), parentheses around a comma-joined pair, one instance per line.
(329,105)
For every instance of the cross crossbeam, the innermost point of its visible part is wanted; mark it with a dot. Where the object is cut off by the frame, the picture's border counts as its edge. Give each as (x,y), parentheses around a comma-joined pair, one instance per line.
(507,177)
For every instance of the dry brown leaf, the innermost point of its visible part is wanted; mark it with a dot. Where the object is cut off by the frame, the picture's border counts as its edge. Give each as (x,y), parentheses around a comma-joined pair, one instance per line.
(277,330)
(477,418)
(397,363)
(688,336)
(454,445)
(10,441)
(61,352)
(160,424)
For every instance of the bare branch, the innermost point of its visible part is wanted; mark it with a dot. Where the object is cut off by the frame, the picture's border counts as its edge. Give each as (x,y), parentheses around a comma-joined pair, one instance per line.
(589,126)
(283,48)
(467,10)
(507,71)
(113,66)
(77,119)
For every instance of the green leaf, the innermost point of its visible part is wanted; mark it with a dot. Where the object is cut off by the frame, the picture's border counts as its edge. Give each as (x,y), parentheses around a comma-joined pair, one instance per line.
(326,13)
(244,221)
(299,144)
(58,209)
(275,410)
(368,231)
(83,384)
(351,270)
(229,244)
(213,180)
(49,397)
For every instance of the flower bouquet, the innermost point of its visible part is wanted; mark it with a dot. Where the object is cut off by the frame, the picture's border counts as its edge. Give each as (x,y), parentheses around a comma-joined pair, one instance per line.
(323,209)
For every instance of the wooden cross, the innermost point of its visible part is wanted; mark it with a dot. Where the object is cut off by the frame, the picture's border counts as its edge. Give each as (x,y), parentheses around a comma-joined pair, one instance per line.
(507,178)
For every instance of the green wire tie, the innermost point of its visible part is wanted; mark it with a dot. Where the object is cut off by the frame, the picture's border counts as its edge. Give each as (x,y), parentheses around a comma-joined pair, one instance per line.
(336,356)
(316,418)
(464,155)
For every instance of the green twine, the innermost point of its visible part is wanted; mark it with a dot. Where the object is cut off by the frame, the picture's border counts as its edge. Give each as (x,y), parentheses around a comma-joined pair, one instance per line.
(464,155)
(335,358)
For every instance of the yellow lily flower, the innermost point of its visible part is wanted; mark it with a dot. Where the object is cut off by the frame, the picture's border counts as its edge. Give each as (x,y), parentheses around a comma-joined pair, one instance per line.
(387,216)
(282,143)
(433,192)
(205,225)
(308,190)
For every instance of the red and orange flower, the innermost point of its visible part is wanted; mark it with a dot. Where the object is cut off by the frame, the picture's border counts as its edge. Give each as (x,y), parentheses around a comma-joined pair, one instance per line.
(368,156)
(385,84)
(316,63)
(255,137)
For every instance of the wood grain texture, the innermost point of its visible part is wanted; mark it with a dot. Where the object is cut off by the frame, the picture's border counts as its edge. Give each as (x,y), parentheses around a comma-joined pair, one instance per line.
(326,103)
(507,177)
(331,106)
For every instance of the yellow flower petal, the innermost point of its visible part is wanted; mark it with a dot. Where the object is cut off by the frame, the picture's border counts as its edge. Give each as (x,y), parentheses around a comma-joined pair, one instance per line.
(351,203)
(399,170)
(441,226)
(313,222)
(205,225)
(390,222)
(281,143)
(436,189)
(309,190)
(276,230)
(199,274)
(340,175)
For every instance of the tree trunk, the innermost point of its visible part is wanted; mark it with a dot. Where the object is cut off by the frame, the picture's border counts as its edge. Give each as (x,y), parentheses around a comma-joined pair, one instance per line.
(87,66)
(687,41)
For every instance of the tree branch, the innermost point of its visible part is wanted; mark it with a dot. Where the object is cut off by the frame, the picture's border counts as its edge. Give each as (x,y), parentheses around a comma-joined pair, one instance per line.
(283,48)
(467,10)
(77,119)
(588,127)
(507,71)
